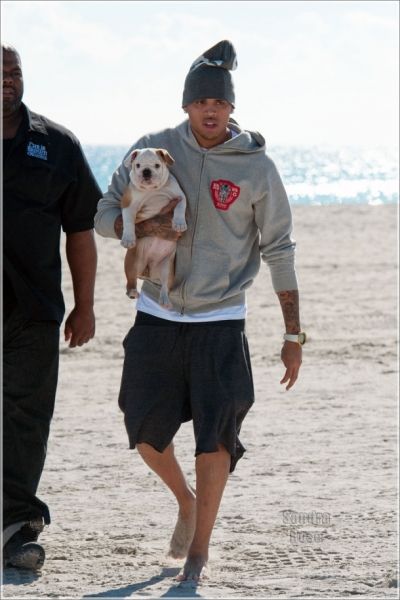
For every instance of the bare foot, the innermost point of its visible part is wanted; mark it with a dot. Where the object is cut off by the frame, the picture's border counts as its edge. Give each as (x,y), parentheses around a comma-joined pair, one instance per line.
(184,531)
(195,569)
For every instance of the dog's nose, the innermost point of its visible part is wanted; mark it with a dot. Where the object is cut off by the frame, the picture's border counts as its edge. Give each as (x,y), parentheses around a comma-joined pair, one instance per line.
(146,173)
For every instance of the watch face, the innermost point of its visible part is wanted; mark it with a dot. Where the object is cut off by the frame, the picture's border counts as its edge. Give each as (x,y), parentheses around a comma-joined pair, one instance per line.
(302,338)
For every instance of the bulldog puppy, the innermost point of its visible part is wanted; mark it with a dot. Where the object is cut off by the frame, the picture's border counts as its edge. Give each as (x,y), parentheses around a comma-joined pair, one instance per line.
(151,187)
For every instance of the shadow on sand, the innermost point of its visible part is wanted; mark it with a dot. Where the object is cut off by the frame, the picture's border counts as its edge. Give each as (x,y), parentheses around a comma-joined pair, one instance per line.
(179,590)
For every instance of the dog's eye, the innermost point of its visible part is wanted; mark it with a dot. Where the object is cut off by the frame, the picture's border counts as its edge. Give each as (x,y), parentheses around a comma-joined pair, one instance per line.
(157,165)
(137,165)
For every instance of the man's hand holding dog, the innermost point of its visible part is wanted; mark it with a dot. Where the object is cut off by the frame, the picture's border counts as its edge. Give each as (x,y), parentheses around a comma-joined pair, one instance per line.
(158,226)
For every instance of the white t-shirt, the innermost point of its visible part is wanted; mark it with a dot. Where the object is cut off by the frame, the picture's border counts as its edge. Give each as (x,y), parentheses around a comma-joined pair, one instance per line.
(148,305)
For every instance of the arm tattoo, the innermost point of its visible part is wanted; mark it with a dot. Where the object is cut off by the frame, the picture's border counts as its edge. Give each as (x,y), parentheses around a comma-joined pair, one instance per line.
(151,227)
(289,301)
(159,226)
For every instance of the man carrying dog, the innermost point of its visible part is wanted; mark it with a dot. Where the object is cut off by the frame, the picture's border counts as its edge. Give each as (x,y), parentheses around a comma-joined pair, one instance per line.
(192,362)
(47,185)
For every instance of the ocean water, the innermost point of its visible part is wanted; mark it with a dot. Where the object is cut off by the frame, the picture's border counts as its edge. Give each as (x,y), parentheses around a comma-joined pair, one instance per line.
(311,175)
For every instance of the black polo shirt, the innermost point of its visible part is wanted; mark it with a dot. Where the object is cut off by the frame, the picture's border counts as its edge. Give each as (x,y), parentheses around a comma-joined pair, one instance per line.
(47,186)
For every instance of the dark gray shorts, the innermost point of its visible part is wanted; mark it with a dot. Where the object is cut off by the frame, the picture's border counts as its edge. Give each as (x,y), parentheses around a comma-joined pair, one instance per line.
(176,372)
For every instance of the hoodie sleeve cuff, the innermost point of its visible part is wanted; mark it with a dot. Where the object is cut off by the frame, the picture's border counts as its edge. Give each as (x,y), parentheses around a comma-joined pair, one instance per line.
(104,222)
(283,277)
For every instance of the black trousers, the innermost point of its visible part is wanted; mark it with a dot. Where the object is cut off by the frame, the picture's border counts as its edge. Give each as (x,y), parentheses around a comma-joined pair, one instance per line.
(30,373)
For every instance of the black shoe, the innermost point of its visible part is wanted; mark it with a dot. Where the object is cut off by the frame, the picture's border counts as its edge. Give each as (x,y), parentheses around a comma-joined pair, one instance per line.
(22,550)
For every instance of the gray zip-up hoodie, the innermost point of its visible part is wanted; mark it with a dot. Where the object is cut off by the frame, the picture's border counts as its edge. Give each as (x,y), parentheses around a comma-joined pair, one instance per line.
(237,212)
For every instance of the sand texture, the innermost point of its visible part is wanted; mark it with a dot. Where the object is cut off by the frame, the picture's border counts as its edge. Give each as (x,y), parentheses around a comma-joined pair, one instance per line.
(311,510)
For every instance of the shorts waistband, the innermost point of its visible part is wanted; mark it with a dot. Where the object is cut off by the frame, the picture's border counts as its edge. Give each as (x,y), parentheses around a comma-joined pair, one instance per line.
(146,319)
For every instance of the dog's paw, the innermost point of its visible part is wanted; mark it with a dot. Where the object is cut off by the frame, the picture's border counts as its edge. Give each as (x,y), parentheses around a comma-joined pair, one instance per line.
(128,242)
(132,293)
(164,300)
(179,225)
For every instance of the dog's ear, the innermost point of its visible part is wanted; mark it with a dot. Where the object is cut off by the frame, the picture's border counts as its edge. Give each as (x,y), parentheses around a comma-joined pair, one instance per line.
(165,156)
(129,159)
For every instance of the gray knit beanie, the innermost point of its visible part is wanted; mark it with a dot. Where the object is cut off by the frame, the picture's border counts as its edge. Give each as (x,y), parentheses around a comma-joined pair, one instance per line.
(209,75)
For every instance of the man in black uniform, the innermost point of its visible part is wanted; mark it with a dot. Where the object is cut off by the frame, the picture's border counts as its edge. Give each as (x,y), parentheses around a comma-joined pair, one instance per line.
(47,186)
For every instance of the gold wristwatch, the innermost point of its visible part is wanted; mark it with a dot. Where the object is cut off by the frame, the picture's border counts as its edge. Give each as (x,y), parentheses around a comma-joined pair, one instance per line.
(298,338)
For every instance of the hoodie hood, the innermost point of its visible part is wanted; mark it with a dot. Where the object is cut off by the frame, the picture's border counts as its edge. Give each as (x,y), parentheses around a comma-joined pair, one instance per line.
(245,141)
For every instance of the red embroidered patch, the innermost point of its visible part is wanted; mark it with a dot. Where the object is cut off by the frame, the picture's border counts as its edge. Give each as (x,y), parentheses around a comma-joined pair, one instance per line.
(224,193)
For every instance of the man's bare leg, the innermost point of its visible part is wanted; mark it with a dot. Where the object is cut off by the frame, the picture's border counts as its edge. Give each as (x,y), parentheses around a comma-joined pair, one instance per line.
(212,470)
(167,468)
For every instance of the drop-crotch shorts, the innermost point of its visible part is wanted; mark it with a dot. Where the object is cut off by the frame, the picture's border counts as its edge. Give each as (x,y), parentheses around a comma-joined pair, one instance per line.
(174,372)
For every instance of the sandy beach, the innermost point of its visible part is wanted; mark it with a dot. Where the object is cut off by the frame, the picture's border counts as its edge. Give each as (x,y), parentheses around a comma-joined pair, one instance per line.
(311,510)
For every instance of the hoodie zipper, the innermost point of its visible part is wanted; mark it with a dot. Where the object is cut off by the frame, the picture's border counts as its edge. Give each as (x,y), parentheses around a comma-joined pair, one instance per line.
(183,296)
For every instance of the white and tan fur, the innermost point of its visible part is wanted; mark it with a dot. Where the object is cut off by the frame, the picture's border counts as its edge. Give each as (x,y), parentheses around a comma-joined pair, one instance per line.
(151,187)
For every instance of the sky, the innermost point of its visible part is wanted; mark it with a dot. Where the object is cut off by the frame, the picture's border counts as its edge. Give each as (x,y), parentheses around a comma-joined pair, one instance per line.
(316,72)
